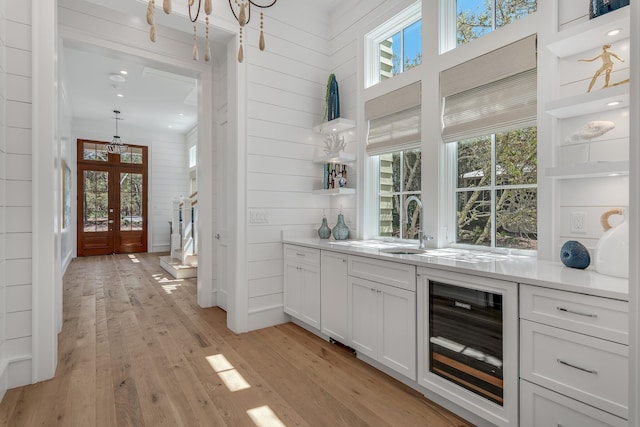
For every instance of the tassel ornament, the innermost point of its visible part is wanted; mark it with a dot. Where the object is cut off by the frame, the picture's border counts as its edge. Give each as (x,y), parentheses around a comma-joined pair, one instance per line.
(150,7)
(194,53)
(242,16)
(166,6)
(261,43)
(152,33)
(207,7)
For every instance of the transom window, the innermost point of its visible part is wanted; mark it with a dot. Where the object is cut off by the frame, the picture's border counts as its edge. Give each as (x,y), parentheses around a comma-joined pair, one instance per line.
(395,46)
(475,18)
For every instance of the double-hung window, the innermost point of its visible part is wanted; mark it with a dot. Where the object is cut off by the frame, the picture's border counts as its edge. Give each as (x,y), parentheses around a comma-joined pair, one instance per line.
(490,129)
(393,142)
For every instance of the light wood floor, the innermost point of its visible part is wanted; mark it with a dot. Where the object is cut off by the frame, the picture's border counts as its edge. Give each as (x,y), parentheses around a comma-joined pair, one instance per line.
(136,350)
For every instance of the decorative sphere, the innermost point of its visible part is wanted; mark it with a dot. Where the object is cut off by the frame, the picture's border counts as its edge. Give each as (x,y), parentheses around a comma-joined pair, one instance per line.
(573,254)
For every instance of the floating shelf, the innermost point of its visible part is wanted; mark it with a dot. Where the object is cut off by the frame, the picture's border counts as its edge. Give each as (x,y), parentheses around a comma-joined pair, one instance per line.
(335,191)
(589,170)
(585,35)
(590,102)
(336,125)
(340,158)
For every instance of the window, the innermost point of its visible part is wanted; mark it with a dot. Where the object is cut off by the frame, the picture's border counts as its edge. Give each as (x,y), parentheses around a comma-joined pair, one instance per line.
(467,20)
(496,190)
(399,179)
(193,156)
(395,46)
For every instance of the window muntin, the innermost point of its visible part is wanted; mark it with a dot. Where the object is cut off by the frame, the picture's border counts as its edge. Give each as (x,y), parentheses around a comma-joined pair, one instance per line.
(496,190)
(399,178)
(475,18)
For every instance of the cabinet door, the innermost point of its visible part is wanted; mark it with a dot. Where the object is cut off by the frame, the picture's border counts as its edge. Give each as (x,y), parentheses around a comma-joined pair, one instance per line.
(397,333)
(363,316)
(311,296)
(334,296)
(293,289)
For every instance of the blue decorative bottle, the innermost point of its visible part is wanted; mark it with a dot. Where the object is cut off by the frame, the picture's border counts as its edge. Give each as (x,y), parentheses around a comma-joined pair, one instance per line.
(324,232)
(340,231)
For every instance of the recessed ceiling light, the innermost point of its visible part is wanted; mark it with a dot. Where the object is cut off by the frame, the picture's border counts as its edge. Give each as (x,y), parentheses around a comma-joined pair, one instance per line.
(170,126)
(117,78)
(124,72)
(613,103)
(120,95)
(614,32)
(181,114)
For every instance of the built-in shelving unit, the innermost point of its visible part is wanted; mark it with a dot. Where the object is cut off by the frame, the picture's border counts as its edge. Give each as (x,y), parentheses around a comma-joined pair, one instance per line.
(574,40)
(338,126)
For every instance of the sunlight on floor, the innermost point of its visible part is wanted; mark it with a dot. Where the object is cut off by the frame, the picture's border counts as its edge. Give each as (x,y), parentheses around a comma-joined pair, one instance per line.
(227,373)
(263,416)
(133,259)
(168,285)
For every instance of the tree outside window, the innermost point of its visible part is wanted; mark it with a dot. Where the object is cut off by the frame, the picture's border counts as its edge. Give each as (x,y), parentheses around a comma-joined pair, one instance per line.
(400,178)
(496,190)
(476,18)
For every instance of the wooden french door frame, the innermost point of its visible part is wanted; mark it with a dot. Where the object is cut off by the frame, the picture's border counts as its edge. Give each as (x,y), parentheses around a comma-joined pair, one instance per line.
(111,226)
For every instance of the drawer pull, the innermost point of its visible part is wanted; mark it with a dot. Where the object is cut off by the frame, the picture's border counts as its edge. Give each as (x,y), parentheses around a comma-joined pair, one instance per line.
(567,310)
(590,371)
(299,254)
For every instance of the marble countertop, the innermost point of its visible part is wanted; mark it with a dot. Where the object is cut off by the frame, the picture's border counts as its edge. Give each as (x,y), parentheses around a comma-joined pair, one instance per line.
(515,268)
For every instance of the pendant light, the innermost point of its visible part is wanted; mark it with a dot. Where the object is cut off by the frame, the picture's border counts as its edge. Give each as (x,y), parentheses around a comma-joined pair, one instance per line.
(117,146)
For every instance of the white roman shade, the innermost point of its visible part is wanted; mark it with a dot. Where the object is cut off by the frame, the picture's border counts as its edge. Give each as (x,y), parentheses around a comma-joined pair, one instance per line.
(493,93)
(394,120)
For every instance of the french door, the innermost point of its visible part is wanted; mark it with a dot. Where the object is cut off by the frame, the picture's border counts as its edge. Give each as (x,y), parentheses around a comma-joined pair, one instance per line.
(112,199)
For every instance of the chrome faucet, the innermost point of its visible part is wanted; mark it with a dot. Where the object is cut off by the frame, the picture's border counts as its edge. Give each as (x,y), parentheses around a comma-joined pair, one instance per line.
(423,237)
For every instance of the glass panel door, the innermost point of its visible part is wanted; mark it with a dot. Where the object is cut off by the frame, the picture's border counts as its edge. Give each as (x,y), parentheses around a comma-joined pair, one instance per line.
(95,234)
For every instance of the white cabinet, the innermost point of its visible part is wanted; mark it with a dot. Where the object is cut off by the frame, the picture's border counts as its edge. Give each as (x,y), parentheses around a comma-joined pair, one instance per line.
(574,345)
(302,284)
(334,296)
(382,317)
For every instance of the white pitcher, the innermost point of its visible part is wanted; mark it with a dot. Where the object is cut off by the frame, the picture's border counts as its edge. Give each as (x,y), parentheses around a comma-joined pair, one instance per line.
(612,251)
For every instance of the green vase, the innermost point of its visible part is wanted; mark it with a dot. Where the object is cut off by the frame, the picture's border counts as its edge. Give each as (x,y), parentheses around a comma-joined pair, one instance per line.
(340,231)
(324,232)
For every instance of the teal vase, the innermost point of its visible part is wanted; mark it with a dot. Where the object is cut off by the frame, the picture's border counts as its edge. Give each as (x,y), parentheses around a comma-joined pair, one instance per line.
(324,232)
(341,231)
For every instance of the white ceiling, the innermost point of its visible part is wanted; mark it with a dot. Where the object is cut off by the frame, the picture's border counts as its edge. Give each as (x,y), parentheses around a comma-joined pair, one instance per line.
(152,98)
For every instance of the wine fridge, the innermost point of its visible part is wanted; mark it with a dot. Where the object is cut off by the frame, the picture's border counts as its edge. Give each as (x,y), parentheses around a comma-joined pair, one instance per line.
(468,351)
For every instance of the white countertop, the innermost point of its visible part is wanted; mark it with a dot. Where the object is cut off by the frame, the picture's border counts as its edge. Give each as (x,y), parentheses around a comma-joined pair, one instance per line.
(521,269)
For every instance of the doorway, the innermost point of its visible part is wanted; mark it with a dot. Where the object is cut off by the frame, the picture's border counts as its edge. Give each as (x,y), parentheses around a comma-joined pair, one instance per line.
(112,199)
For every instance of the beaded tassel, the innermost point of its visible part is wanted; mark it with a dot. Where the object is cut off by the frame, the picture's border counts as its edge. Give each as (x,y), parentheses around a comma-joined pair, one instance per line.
(261,44)
(152,30)
(240,51)
(166,6)
(196,57)
(207,49)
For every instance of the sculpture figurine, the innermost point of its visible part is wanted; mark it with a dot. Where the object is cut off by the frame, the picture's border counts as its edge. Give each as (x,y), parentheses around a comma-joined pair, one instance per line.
(607,67)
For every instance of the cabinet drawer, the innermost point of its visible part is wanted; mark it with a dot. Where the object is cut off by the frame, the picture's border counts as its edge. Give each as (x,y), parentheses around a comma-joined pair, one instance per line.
(302,255)
(600,317)
(585,368)
(540,407)
(390,273)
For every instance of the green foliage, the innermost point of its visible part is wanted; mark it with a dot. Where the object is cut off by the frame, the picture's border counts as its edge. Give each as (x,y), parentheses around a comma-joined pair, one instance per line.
(474,24)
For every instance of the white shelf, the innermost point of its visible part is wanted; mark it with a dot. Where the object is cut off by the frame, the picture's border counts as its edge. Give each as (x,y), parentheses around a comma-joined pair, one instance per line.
(590,102)
(336,125)
(591,33)
(589,170)
(340,158)
(335,191)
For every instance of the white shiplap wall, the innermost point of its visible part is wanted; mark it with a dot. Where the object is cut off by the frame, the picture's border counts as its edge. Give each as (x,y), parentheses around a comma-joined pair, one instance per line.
(16,271)
(3,153)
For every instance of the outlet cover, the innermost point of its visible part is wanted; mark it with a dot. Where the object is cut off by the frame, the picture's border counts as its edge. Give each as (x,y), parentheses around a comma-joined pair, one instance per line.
(578,222)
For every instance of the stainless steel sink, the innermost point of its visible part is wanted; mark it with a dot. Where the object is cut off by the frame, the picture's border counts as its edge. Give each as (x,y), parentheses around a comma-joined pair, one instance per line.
(403,251)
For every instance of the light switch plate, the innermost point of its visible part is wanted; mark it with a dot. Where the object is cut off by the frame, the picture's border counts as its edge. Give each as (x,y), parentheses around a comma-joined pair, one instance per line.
(578,222)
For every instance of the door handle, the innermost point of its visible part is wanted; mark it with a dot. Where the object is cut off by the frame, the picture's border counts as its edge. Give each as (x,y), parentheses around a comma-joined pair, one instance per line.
(111,221)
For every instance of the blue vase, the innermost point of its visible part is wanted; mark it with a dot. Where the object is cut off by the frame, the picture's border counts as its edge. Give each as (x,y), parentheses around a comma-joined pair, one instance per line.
(573,254)
(324,232)
(333,98)
(340,231)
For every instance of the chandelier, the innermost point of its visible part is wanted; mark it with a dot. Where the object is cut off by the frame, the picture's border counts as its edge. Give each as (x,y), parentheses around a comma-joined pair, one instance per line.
(243,16)
(116,146)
